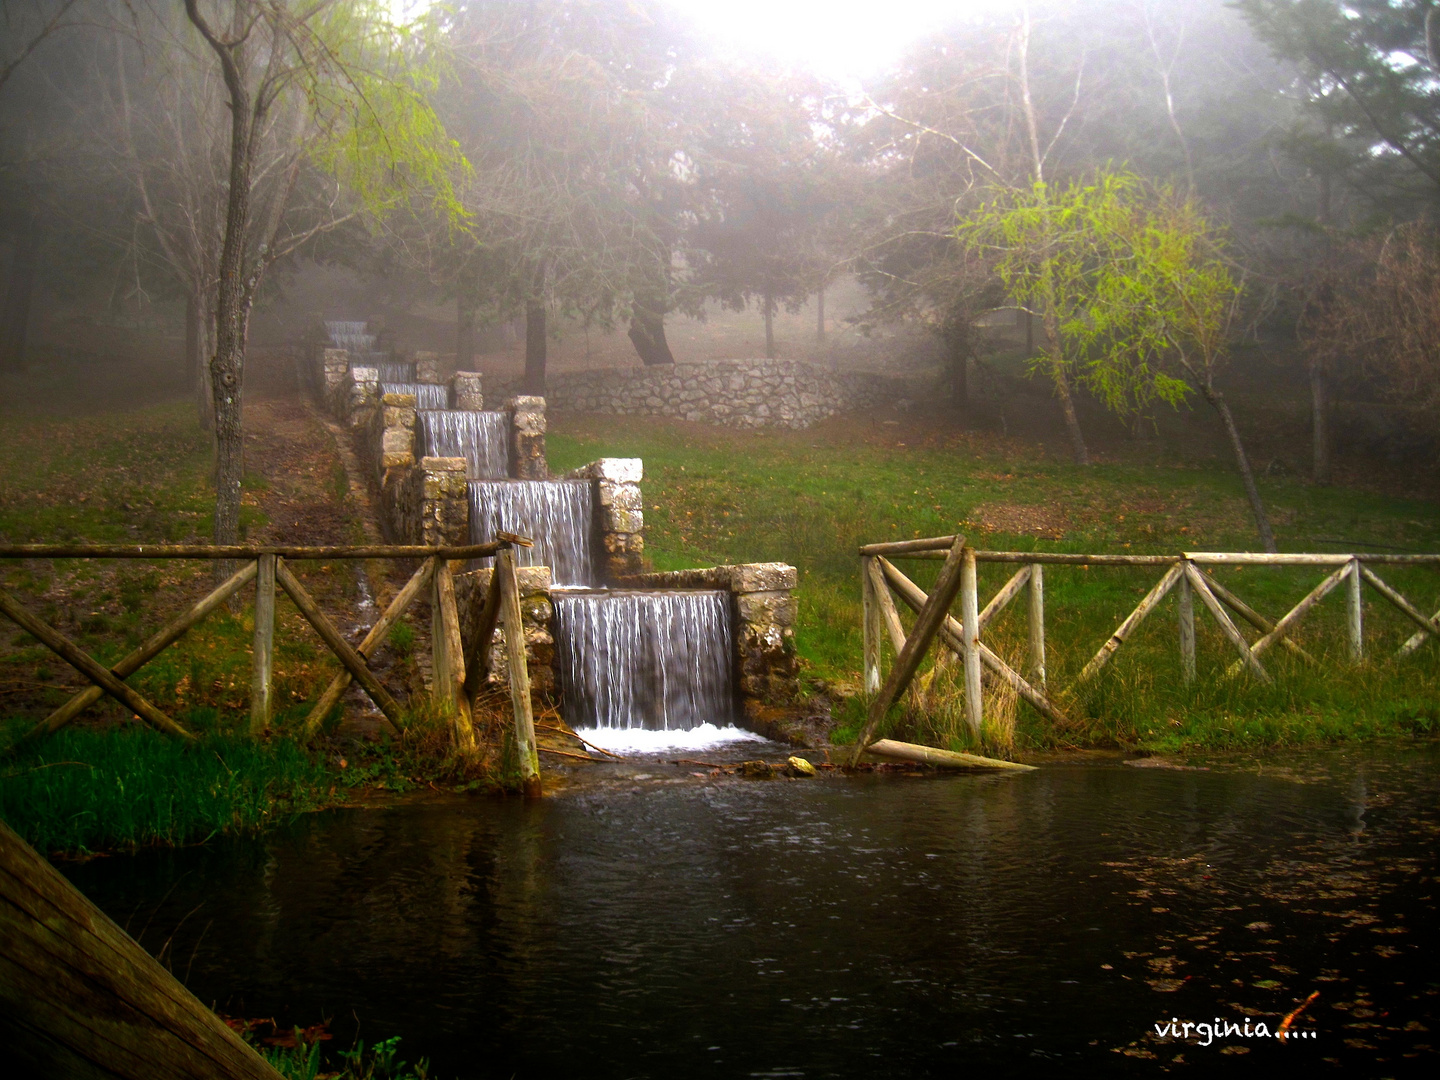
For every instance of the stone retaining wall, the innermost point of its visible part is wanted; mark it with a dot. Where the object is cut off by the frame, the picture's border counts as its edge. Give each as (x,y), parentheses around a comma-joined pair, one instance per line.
(619,512)
(735,393)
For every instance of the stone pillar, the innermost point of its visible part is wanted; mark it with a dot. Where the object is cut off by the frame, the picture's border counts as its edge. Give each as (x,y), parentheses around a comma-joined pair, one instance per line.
(765,633)
(362,396)
(334,369)
(431,506)
(536,616)
(391,441)
(619,513)
(465,391)
(527,438)
(427,368)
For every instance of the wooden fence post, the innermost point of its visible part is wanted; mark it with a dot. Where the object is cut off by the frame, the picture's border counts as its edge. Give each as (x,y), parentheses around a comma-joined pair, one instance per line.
(1185,606)
(970,622)
(1037,626)
(510,618)
(262,664)
(871,627)
(448,658)
(1355,613)
(932,616)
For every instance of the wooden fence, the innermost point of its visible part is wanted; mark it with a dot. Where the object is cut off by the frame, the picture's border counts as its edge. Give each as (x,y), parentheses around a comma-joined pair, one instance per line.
(457,676)
(1187,572)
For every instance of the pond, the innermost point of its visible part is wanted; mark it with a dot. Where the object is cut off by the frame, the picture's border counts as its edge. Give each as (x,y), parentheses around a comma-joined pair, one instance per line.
(653,922)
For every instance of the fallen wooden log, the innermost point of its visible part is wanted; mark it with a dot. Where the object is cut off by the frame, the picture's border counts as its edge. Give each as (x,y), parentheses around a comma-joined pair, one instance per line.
(79,997)
(945,759)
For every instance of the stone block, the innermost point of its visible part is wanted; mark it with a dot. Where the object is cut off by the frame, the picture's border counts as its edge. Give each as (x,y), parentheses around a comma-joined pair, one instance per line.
(427,368)
(465,391)
(766,608)
(615,519)
(762,577)
(619,495)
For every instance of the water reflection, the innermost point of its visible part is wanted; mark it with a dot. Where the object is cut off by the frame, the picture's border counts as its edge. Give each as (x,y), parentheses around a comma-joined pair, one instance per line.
(839,927)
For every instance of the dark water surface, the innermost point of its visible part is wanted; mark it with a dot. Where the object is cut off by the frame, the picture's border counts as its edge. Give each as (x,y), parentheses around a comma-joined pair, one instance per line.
(663,925)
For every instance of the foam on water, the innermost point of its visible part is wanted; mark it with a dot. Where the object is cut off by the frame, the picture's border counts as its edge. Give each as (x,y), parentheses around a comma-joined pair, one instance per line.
(645,741)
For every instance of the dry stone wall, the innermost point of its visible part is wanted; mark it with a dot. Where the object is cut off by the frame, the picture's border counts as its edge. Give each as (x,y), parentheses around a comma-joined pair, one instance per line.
(734,393)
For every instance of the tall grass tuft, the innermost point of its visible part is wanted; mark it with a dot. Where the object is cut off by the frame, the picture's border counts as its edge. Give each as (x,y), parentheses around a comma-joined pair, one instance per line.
(85,790)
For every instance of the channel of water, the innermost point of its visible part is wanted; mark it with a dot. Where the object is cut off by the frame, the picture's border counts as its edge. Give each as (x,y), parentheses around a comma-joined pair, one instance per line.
(651,922)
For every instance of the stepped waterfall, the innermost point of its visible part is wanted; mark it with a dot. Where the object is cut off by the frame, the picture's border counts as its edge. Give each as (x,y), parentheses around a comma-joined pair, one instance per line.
(557,514)
(478,437)
(427,395)
(657,661)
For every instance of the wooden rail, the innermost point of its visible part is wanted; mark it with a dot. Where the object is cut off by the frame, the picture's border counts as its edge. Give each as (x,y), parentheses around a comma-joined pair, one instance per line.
(1186,574)
(457,676)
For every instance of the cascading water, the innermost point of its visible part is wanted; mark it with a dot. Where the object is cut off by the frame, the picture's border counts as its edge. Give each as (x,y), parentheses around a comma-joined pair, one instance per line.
(478,437)
(395,371)
(427,395)
(556,514)
(658,661)
(353,336)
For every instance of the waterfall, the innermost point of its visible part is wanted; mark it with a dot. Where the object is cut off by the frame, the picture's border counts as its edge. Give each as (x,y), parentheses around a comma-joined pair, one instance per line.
(396,371)
(557,514)
(350,335)
(653,660)
(478,437)
(427,395)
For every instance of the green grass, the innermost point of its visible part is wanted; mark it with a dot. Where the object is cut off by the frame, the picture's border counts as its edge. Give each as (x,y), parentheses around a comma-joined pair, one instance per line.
(90,790)
(811,498)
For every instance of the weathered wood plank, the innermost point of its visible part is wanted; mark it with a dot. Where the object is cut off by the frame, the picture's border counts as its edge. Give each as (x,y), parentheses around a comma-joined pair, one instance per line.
(1294,615)
(151,648)
(338,645)
(1355,613)
(1185,613)
(945,759)
(449,670)
(88,666)
(241,551)
(79,998)
(510,618)
(1253,617)
(484,618)
(970,638)
(262,653)
(888,613)
(926,624)
(1431,626)
(1148,604)
(952,633)
(1001,599)
(419,581)
(870,624)
(1037,626)
(1228,627)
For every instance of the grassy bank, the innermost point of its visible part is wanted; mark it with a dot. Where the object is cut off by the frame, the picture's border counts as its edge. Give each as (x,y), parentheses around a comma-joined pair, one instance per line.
(811,498)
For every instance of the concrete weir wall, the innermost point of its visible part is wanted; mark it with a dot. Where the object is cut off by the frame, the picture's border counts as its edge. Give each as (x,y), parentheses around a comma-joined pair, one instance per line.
(734,393)
(425,500)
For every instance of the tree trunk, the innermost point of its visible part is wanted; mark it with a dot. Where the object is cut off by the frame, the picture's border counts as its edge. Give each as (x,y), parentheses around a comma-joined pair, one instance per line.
(535,347)
(769,327)
(190,364)
(1029,334)
(955,337)
(15,318)
(820,314)
(1262,521)
(647,334)
(232,298)
(1078,450)
(1320,423)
